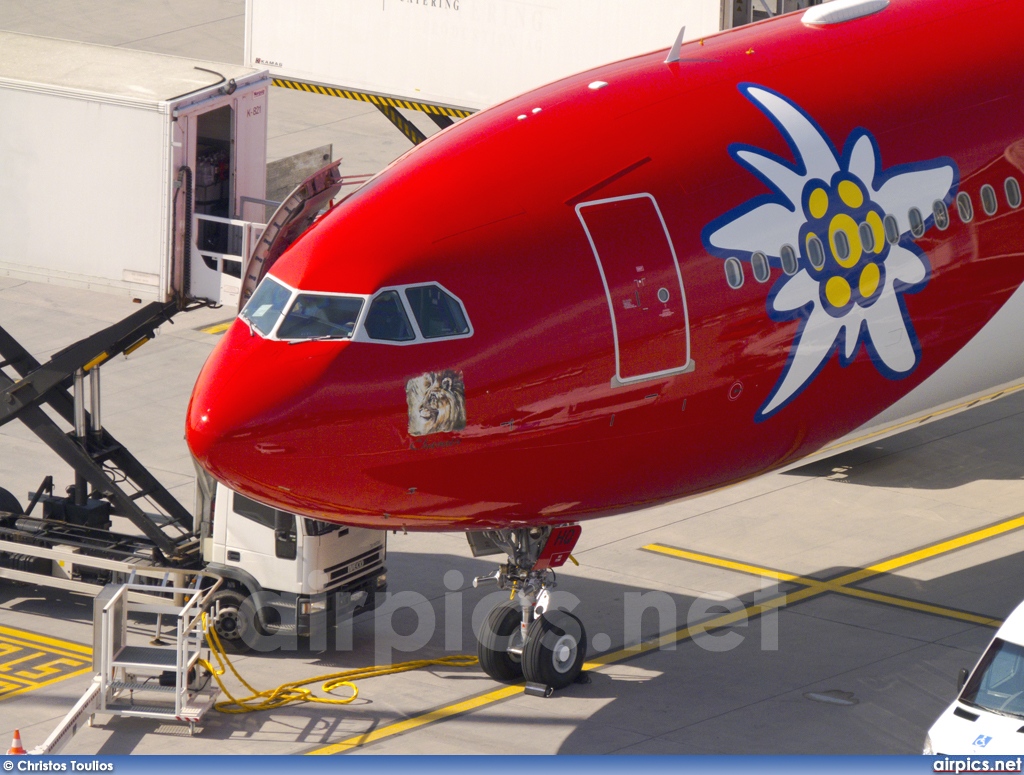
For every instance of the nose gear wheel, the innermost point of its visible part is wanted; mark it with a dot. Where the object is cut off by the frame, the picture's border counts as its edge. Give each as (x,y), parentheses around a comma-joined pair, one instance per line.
(555,649)
(501,630)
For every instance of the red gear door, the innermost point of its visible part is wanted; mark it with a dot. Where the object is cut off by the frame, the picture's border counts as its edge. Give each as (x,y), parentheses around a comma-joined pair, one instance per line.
(641,276)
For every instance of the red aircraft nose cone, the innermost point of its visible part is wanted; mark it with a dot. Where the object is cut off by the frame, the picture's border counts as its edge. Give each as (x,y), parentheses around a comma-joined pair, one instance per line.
(246,386)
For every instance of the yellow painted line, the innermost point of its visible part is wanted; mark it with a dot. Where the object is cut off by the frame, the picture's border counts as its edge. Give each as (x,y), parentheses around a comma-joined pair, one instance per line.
(43,640)
(217,328)
(41,684)
(916,605)
(942,547)
(842,584)
(61,654)
(722,562)
(418,721)
(809,588)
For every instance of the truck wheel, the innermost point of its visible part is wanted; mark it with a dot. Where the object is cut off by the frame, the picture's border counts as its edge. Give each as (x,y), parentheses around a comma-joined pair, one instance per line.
(232,620)
(9,503)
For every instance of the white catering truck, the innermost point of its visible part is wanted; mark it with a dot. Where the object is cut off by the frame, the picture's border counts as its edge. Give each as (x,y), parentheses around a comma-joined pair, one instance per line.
(128,171)
(145,174)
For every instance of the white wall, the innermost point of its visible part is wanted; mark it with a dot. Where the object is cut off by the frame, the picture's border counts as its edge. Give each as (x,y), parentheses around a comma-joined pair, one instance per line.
(467,53)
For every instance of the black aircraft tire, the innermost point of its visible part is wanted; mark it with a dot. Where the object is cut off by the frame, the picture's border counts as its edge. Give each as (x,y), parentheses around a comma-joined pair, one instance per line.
(556,646)
(492,643)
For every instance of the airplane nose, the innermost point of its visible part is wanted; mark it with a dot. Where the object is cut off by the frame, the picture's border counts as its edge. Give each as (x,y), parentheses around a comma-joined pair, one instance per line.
(244,391)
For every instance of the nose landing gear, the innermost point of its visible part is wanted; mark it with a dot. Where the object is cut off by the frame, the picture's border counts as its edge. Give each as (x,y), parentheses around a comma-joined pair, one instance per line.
(525,638)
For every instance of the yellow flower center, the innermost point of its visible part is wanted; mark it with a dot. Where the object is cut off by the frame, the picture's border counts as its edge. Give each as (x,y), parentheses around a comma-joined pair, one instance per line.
(817,203)
(837,291)
(869,278)
(851,194)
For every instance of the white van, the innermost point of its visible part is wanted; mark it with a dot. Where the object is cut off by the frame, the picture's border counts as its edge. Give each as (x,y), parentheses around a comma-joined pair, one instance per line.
(987,717)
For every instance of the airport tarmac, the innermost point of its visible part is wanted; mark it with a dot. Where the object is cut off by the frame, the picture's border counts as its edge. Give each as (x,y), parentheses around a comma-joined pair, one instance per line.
(840,599)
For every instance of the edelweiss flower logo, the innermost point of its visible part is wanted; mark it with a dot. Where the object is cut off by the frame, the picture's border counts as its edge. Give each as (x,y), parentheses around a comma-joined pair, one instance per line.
(839,227)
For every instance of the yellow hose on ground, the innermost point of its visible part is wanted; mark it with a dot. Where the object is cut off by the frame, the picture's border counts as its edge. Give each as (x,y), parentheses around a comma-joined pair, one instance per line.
(295,691)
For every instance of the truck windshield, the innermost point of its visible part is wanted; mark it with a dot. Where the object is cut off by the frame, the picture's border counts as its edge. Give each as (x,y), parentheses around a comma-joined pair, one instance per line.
(314,316)
(316,527)
(997,683)
(264,308)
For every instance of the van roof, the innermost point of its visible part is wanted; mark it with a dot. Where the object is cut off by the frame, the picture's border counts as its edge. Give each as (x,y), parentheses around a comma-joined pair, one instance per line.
(65,65)
(1013,628)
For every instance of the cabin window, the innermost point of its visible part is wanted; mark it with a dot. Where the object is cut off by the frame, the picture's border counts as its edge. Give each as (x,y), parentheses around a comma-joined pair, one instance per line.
(841,243)
(892,229)
(386,319)
(988,200)
(964,207)
(1012,188)
(437,313)
(941,214)
(916,222)
(759,264)
(263,310)
(815,251)
(734,272)
(317,316)
(867,236)
(788,257)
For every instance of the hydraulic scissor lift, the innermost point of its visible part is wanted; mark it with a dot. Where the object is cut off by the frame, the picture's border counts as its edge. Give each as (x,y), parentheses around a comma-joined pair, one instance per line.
(109,480)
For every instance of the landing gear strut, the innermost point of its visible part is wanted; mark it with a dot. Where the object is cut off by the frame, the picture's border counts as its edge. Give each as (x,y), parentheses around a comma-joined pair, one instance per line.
(525,637)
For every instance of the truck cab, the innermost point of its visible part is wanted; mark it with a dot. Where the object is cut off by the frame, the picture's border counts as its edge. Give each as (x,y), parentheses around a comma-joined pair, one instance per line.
(285,572)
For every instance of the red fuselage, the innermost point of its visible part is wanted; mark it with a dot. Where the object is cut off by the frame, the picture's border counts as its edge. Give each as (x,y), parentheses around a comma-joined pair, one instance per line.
(606,361)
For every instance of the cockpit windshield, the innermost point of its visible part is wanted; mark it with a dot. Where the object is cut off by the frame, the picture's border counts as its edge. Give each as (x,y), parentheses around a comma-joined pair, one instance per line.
(997,683)
(400,314)
(313,316)
(264,308)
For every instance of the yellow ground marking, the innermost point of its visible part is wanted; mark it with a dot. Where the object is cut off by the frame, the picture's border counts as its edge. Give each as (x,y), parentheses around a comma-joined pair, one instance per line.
(430,717)
(29,661)
(809,588)
(217,328)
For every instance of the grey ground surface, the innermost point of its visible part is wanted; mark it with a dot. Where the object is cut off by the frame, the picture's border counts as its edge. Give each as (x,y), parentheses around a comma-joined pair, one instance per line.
(754,688)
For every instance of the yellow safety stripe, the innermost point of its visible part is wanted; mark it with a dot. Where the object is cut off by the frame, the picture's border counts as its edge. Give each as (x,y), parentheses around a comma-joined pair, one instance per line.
(349,94)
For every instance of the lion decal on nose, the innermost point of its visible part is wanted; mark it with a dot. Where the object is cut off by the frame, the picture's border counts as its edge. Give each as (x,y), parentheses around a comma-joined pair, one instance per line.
(437,402)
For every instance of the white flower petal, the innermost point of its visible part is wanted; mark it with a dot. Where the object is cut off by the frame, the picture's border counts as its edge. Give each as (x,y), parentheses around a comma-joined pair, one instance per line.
(919,189)
(852,321)
(795,292)
(904,265)
(788,182)
(811,349)
(862,160)
(766,228)
(807,141)
(889,334)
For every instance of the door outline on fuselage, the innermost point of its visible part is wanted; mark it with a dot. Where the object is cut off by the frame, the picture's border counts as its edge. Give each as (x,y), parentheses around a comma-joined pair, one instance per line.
(618,380)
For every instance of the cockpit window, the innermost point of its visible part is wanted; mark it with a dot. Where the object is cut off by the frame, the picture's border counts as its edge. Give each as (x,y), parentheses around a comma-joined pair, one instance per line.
(313,316)
(264,308)
(437,313)
(387,320)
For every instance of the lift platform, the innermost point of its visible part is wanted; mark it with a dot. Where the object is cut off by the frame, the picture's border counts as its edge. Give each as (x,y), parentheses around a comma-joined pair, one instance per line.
(109,479)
